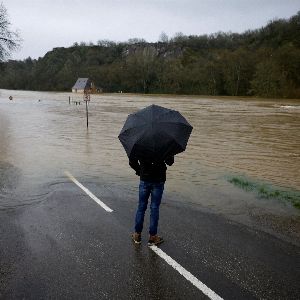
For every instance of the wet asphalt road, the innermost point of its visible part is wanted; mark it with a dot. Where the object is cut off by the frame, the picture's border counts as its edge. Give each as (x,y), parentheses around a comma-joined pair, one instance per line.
(68,247)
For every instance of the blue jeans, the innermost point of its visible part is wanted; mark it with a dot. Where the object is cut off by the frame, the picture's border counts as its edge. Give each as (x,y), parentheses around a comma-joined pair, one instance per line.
(156,190)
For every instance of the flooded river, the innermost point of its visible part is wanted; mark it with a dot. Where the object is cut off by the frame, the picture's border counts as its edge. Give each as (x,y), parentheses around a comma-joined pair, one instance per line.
(42,135)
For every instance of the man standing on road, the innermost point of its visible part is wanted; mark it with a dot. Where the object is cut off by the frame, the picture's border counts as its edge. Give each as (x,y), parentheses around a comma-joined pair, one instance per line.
(152,181)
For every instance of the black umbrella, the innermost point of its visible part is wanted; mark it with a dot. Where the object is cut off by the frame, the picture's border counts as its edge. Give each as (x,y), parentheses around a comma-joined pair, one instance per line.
(154,133)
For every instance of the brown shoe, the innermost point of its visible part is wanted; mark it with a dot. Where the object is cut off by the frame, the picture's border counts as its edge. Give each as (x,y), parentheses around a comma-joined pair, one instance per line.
(155,240)
(136,237)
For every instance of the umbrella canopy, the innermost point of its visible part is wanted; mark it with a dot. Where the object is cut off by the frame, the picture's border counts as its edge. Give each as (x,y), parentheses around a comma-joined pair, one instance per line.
(154,133)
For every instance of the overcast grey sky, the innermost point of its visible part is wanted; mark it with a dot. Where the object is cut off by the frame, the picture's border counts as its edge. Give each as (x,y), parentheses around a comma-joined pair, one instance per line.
(45,24)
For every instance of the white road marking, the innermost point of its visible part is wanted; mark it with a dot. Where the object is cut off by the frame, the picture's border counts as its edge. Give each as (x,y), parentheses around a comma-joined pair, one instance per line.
(190,277)
(103,205)
(186,274)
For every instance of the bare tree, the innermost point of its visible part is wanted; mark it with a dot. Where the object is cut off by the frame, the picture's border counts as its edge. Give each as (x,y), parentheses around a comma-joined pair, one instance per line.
(163,37)
(9,40)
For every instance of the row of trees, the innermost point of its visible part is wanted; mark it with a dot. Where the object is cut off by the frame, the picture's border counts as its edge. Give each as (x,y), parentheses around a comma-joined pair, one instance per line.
(263,62)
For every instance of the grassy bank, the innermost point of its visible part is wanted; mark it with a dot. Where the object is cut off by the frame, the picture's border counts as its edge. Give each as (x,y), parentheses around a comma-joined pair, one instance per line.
(267,191)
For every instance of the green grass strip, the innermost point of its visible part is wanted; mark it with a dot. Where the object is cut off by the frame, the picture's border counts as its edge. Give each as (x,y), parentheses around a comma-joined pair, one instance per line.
(267,191)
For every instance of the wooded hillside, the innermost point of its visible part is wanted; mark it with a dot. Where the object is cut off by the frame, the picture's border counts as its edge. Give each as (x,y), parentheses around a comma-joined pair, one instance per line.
(263,62)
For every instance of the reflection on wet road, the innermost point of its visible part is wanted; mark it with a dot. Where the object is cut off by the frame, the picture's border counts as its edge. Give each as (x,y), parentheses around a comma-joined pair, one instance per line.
(40,139)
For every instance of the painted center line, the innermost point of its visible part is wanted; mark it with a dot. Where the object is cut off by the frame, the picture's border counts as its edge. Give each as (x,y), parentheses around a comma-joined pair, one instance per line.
(190,277)
(181,270)
(102,204)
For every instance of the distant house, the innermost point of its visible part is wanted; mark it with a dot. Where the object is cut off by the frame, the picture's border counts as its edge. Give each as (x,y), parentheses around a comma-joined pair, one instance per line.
(83,85)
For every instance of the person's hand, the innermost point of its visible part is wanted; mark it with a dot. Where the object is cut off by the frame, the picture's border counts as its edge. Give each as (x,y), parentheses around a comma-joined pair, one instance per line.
(169,160)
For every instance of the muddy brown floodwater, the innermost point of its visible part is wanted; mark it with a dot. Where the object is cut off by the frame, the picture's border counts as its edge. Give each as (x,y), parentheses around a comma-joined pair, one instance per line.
(42,135)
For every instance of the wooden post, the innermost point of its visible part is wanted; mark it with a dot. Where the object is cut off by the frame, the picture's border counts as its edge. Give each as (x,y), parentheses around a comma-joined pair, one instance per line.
(69,100)
(87,114)
(86,98)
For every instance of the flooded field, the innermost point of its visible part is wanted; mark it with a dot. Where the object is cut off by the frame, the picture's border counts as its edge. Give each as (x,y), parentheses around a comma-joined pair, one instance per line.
(42,135)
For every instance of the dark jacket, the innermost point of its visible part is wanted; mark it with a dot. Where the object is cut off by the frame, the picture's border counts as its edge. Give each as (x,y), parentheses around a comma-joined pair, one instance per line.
(151,171)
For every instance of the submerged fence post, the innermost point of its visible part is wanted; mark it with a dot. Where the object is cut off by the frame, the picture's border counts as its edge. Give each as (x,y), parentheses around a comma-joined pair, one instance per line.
(87,114)
(87,98)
